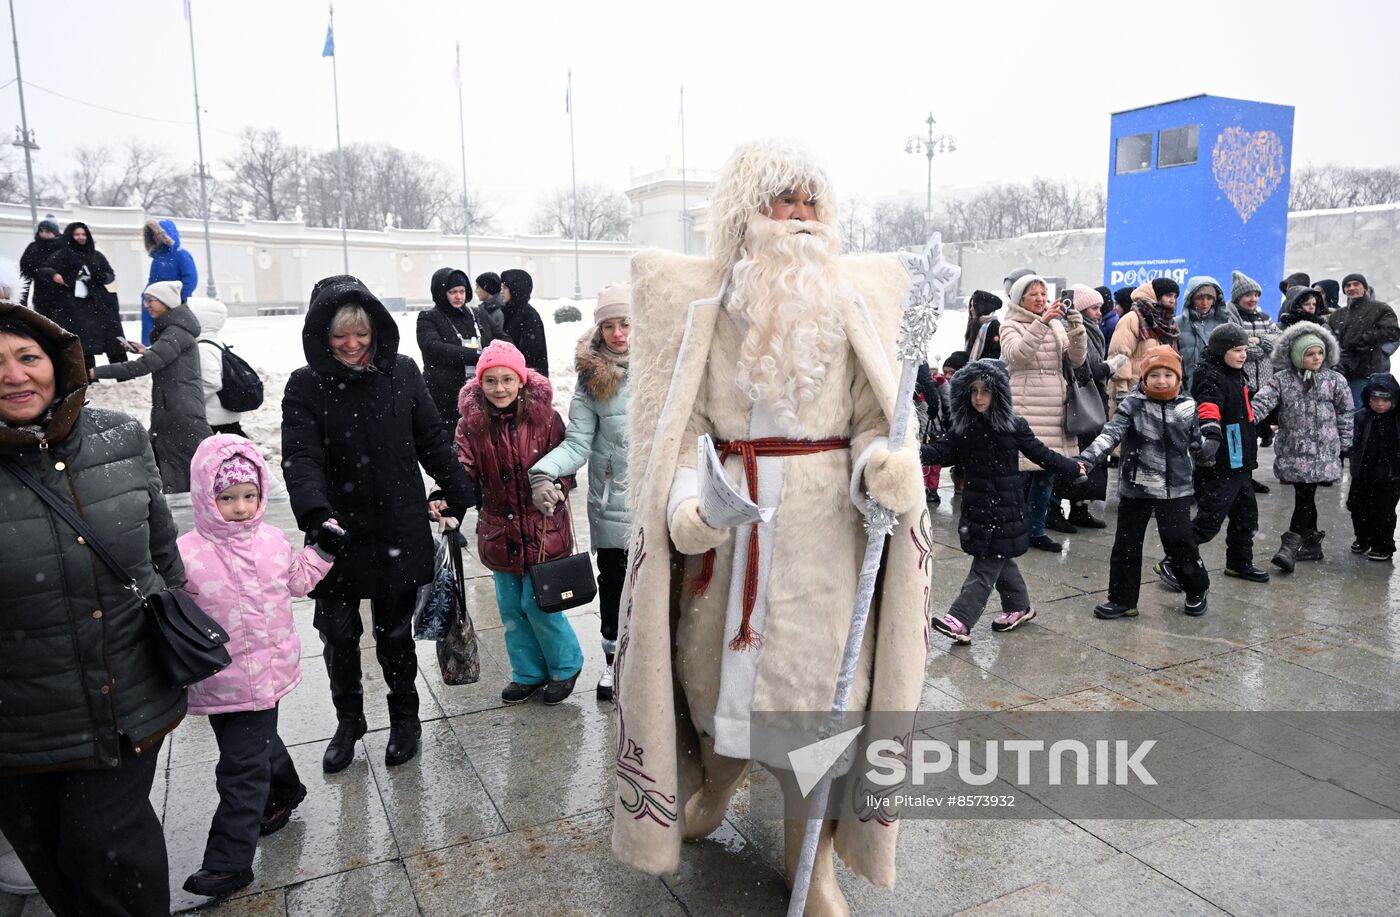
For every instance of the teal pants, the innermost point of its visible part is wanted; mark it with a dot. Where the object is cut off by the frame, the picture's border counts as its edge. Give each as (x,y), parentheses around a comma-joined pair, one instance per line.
(542,647)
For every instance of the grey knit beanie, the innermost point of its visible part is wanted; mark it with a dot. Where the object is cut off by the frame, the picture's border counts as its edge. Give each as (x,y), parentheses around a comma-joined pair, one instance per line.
(1240,284)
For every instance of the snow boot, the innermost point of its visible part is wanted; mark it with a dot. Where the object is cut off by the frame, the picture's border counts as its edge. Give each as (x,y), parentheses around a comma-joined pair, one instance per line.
(1080,516)
(1287,554)
(1312,545)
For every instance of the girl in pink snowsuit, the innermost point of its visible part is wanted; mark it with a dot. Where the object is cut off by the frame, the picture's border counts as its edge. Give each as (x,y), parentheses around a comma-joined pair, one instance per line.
(244,574)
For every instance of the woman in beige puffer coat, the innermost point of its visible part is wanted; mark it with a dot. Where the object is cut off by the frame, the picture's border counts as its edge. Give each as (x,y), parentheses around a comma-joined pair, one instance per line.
(1034,345)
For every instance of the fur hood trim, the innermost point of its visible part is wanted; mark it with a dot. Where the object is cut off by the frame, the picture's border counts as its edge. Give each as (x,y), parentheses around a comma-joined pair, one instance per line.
(159,234)
(598,375)
(991,373)
(535,403)
(1284,345)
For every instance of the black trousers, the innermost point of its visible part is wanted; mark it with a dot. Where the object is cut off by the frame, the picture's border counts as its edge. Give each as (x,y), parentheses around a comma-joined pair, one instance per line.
(1373,514)
(1304,508)
(1173,527)
(1229,497)
(612,573)
(338,621)
(90,839)
(253,766)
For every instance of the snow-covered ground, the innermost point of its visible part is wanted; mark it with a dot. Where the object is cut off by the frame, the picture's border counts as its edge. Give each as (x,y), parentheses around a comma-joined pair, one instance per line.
(272,344)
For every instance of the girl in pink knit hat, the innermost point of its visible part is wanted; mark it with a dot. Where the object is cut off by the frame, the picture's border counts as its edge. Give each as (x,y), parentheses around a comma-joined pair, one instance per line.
(508,424)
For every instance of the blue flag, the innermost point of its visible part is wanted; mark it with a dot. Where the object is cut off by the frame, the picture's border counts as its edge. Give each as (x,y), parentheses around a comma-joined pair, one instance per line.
(329,49)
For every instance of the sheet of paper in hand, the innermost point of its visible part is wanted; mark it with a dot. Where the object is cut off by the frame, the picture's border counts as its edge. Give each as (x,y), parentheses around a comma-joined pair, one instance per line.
(720,502)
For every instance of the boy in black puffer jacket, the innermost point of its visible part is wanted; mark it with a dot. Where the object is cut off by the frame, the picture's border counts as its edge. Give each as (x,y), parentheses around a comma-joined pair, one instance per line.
(1221,390)
(1375,469)
(1162,443)
(985,440)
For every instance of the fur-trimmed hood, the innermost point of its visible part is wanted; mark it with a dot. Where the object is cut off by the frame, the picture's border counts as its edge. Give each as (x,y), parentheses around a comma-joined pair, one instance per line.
(160,235)
(535,403)
(327,297)
(70,378)
(1284,344)
(600,375)
(991,373)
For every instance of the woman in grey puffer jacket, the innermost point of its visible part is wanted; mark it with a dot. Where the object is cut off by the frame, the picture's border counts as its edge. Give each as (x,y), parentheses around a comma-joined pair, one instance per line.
(178,421)
(1314,428)
(597,435)
(84,702)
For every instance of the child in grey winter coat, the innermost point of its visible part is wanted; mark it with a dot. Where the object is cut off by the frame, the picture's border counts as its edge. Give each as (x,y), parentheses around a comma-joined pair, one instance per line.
(1162,443)
(1314,429)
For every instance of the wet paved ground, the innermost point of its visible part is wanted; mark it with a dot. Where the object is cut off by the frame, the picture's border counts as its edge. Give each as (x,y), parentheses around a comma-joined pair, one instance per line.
(507,809)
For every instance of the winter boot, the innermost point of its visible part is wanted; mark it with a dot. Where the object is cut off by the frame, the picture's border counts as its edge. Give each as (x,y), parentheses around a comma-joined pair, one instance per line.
(1196,604)
(1079,515)
(404,737)
(605,682)
(1312,545)
(1287,554)
(1055,520)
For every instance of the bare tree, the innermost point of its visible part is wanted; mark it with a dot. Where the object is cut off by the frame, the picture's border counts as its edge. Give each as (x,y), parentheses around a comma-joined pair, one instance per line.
(93,176)
(1041,205)
(265,173)
(602,213)
(1330,186)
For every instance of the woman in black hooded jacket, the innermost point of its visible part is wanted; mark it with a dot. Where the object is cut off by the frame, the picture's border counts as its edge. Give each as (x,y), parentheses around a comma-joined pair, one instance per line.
(450,342)
(356,426)
(524,326)
(92,312)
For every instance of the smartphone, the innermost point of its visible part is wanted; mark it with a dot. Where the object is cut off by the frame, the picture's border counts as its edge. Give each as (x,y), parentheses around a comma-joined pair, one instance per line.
(1067,299)
(127,345)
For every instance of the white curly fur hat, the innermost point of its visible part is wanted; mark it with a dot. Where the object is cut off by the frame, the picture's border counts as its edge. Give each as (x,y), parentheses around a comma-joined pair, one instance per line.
(756,173)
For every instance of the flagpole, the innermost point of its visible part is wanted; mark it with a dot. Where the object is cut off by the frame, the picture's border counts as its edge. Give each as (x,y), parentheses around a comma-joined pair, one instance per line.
(339,151)
(203,175)
(462,129)
(573,169)
(685,209)
(26,139)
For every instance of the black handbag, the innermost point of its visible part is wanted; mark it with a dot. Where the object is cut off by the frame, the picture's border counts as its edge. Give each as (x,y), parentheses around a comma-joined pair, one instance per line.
(1084,411)
(189,643)
(565,583)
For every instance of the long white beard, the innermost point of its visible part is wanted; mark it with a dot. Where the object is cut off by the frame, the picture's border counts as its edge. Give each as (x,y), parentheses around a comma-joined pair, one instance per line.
(788,288)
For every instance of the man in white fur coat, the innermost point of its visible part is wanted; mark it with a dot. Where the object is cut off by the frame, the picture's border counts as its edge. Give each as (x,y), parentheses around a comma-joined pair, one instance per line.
(790,367)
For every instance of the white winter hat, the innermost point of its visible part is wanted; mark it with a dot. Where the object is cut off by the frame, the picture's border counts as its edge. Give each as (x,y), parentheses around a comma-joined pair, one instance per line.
(614,301)
(167,291)
(1019,285)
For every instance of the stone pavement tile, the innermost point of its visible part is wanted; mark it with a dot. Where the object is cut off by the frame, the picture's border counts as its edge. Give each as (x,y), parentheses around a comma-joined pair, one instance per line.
(948,866)
(560,868)
(1163,636)
(1164,691)
(1256,680)
(540,763)
(726,874)
(381,890)
(341,825)
(1086,701)
(1131,833)
(1124,885)
(1353,659)
(1285,867)
(956,690)
(434,800)
(1342,589)
(265,904)
(1045,663)
(306,715)
(1042,899)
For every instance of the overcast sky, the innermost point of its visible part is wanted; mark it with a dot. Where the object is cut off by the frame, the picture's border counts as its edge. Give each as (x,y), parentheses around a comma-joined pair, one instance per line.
(1027,88)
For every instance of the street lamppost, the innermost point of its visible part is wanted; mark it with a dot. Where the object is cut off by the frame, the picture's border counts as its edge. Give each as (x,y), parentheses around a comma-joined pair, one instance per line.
(930,146)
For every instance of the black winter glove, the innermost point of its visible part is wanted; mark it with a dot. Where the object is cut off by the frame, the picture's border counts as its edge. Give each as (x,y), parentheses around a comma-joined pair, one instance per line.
(323,532)
(1206,457)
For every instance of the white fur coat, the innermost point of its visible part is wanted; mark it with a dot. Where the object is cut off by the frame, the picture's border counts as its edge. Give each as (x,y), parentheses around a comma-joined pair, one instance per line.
(658,765)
